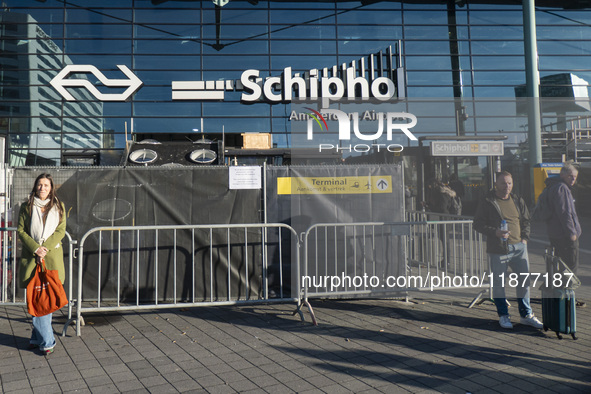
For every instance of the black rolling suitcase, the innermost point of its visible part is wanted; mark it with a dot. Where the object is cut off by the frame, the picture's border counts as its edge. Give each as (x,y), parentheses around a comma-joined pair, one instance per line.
(558,302)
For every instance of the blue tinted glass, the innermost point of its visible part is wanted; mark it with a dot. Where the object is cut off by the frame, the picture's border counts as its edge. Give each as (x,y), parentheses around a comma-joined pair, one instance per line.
(167,46)
(378,5)
(150,93)
(189,32)
(229,34)
(503,32)
(564,48)
(296,5)
(98,46)
(235,62)
(495,91)
(303,47)
(321,32)
(431,91)
(363,48)
(557,62)
(18,4)
(170,109)
(45,93)
(236,108)
(303,63)
(426,17)
(510,78)
(367,17)
(47,124)
(432,78)
(431,47)
(52,31)
(96,108)
(427,62)
(498,62)
(254,46)
(99,5)
(234,15)
(165,16)
(302,17)
(99,31)
(563,32)
(35,15)
(163,4)
(102,16)
(497,17)
(165,77)
(237,125)
(103,62)
(165,125)
(563,17)
(497,47)
(425,32)
(377,32)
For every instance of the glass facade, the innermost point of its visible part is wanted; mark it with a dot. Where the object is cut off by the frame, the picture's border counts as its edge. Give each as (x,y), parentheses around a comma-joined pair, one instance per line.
(473,50)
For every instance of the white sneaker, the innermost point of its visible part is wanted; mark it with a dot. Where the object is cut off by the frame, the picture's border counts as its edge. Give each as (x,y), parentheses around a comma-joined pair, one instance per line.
(505,322)
(531,320)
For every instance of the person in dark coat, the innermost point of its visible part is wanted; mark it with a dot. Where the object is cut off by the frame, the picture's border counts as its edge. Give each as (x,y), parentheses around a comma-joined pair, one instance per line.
(563,227)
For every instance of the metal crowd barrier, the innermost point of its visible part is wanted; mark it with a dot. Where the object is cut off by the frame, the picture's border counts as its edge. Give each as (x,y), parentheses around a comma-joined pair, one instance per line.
(339,260)
(380,259)
(9,273)
(445,244)
(115,273)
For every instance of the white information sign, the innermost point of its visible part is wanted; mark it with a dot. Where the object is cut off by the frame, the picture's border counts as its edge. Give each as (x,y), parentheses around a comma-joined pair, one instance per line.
(467,148)
(247,177)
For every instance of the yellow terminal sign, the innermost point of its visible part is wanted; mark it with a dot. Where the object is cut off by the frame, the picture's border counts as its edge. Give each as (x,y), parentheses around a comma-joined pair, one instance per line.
(335,185)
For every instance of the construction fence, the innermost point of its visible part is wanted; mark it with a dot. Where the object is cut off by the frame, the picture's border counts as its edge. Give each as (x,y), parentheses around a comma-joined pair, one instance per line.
(121,260)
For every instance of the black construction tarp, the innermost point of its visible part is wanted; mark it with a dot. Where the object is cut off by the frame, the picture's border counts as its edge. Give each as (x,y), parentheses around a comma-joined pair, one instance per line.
(342,251)
(98,197)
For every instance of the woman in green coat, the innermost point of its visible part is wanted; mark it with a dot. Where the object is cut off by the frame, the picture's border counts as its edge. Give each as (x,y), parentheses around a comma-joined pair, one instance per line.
(41,228)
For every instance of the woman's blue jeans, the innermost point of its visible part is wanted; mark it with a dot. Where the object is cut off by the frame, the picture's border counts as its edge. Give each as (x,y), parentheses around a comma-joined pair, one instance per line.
(43,332)
(517,259)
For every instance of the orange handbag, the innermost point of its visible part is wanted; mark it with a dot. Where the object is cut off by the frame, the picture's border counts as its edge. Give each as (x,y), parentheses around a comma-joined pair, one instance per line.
(45,292)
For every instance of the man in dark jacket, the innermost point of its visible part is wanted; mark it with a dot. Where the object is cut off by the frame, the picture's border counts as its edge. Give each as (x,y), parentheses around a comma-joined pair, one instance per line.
(563,225)
(507,248)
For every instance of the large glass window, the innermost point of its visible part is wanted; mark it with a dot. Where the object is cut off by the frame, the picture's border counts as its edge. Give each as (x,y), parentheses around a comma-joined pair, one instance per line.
(468,50)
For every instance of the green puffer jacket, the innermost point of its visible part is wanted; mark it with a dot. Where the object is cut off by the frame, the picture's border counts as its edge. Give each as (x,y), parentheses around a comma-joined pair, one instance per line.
(54,259)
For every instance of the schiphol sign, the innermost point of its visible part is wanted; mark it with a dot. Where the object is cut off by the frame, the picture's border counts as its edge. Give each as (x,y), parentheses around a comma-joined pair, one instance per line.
(272,89)
(375,77)
(282,89)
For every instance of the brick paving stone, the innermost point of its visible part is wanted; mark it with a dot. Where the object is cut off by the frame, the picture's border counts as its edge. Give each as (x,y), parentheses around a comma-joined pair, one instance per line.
(462,350)
(167,388)
(222,389)
(16,385)
(48,389)
(67,376)
(210,381)
(72,385)
(186,385)
(122,377)
(129,385)
(279,389)
(42,381)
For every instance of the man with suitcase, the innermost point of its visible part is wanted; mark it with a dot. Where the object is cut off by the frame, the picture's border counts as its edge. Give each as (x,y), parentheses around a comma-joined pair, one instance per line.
(563,225)
(507,248)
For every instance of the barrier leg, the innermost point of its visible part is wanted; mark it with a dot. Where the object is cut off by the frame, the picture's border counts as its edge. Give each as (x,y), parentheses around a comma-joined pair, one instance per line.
(477,299)
(311,312)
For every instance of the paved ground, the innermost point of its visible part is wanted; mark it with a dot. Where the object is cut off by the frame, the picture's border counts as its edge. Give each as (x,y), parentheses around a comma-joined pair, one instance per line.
(432,344)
